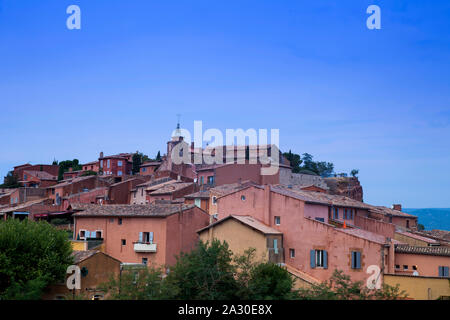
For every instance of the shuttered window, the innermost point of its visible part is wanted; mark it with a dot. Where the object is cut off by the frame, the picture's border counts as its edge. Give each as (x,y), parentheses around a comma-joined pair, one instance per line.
(356,259)
(443,271)
(319,258)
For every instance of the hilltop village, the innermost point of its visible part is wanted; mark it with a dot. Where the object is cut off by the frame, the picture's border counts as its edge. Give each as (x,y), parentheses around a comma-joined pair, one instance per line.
(305,223)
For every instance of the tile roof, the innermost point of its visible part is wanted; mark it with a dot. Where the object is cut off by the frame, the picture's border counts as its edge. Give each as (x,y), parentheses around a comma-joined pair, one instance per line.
(247,220)
(434,250)
(68,182)
(416,236)
(170,188)
(79,256)
(23,205)
(199,194)
(150,164)
(42,175)
(128,210)
(319,197)
(226,189)
(388,211)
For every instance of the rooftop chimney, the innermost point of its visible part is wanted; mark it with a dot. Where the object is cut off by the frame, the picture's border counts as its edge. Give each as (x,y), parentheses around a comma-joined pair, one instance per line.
(397,207)
(101,154)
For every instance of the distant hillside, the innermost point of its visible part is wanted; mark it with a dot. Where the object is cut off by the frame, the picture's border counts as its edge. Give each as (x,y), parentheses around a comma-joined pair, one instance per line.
(432,218)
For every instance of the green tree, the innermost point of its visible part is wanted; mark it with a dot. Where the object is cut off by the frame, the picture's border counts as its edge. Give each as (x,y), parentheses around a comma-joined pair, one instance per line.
(269,281)
(158,156)
(140,284)
(11,181)
(205,273)
(88,173)
(354,172)
(32,256)
(138,159)
(294,159)
(420,227)
(65,165)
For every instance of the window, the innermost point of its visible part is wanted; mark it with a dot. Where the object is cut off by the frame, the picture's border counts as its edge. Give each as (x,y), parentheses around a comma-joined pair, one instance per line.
(119,173)
(397,266)
(119,163)
(319,259)
(211,180)
(214,200)
(201,180)
(108,163)
(144,261)
(53,191)
(24,177)
(356,259)
(82,234)
(292,253)
(198,202)
(320,219)
(144,169)
(414,267)
(243,198)
(407,224)
(277,220)
(405,267)
(124,242)
(119,221)
(101,163)
(443,271)
(336,213)
(146,237)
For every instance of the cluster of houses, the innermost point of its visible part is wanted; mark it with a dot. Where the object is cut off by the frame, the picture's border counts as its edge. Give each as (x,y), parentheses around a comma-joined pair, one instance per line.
(120,220)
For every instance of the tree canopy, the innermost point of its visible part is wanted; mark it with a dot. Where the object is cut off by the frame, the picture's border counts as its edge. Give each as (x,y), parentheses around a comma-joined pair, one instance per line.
(64,166)
(32,256)
(305,164)
(10,181)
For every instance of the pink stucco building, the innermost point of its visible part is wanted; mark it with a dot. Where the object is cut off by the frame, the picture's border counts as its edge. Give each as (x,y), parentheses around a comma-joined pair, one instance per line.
(150,234)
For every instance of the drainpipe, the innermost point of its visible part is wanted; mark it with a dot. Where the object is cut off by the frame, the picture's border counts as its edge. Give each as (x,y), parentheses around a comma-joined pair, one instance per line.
(267,204)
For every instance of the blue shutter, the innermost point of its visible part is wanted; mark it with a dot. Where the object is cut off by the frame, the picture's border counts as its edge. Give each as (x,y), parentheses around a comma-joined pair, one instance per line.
(313,258)
(445,271)
(151,237)
(87,234)
(94,234)
(141,236)
(325,259)
(275,246)
(358,260)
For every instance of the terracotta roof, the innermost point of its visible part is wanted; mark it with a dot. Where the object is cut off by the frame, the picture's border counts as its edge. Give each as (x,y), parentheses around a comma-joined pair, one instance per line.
(71,181)
(434,250)
(319,197)
(155,184)
(170,188)
(388,211)
(416,236)
(79,256)
(231,188)
(22,206)
(302,275)
(248,221)
(199,194)
(90,163)
(360,233)
(128,210)
(150,164)
(42,175)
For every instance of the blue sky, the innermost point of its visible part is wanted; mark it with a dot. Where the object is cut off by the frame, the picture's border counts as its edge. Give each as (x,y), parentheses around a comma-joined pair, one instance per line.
(375,100)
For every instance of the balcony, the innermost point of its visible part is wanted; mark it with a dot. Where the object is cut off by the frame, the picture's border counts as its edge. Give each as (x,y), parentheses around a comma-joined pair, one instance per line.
(144,247)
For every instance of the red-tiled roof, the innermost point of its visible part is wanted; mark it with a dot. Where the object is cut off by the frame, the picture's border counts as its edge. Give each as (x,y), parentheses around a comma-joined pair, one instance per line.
(248,221)
(42,175)
(170,188)
(128,210)
(434,250)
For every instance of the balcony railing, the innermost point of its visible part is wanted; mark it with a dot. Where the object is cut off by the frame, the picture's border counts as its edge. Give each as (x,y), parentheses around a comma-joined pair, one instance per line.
(144,247)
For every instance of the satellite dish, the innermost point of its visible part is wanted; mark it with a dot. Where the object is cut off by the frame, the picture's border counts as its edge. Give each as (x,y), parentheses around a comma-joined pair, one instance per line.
(415,273)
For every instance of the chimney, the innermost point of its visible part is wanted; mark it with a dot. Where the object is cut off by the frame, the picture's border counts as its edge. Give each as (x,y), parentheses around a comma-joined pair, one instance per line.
(70,169)
(397,207)
(101,154)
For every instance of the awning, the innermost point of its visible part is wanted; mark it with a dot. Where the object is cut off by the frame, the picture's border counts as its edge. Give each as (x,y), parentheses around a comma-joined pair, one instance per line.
(20,212)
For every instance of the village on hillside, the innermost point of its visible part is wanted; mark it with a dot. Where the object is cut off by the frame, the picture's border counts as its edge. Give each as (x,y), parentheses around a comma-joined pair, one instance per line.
(307,224)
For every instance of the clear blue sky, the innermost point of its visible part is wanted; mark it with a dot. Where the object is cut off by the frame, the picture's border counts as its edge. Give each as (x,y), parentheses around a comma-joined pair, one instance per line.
(375,100)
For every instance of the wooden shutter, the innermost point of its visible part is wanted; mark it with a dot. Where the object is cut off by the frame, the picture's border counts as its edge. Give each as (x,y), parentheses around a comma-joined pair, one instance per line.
(325,259)
(151,237)
(358,260)
(312,258)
